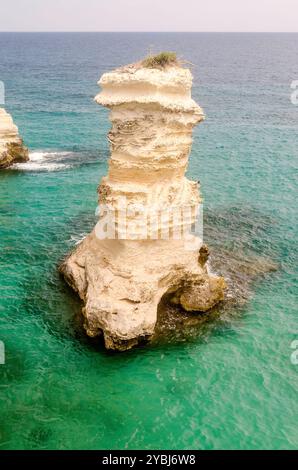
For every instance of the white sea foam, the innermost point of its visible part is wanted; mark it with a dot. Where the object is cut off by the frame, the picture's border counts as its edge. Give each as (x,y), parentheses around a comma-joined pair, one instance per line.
(43,161)
(77,239)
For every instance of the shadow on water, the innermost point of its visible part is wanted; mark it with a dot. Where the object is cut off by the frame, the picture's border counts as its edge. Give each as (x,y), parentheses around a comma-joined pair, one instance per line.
(242,252)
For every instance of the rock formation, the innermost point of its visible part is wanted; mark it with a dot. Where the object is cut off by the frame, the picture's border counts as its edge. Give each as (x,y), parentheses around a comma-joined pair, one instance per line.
(12,149)
(142,246)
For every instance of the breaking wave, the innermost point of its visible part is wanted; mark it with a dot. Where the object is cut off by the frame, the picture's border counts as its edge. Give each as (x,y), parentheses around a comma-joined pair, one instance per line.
(45,161)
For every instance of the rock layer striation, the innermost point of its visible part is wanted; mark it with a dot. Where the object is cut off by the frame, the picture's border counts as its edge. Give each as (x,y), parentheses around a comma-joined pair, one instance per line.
(12,149)
(143,246)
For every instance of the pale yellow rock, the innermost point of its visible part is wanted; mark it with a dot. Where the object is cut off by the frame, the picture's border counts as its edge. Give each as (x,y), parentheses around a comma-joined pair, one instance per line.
(122,279)
(12,149)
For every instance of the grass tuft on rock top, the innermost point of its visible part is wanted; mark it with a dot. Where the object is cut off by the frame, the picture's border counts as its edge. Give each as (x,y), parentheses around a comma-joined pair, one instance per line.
(162,60)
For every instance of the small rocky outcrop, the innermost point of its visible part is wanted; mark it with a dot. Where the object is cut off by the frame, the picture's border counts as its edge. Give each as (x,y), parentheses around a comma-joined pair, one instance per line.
(122,277)
(12,149)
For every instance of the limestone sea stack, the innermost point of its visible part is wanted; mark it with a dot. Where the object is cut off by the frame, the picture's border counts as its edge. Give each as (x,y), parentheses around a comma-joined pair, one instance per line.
(12,149)
(143,246)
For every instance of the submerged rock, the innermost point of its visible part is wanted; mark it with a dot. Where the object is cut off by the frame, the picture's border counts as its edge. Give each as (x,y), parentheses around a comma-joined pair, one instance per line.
(12,149)
(122,270)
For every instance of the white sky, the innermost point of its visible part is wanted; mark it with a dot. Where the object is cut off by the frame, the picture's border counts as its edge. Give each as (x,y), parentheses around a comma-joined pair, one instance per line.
(149,15)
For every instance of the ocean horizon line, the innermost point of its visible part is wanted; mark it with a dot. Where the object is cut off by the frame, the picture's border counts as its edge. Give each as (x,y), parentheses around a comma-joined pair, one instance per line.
(149,32)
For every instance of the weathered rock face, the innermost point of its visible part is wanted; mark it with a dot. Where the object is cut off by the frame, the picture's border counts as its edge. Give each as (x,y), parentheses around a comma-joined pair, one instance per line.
(12,149)
(122,269)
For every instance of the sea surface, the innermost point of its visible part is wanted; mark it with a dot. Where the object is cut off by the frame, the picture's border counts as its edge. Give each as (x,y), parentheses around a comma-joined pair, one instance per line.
(225,381)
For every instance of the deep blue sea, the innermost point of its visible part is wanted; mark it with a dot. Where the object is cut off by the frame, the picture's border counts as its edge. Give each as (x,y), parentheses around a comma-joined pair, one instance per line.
(228,382)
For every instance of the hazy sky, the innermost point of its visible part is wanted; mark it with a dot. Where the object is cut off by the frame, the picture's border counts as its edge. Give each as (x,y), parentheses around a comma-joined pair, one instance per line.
(149,15)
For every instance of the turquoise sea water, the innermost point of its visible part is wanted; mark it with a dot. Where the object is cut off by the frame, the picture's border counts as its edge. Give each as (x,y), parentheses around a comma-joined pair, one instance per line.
(227,383)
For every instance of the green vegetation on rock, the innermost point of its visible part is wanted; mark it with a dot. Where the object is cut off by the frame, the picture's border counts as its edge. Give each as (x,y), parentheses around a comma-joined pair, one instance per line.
(161,60)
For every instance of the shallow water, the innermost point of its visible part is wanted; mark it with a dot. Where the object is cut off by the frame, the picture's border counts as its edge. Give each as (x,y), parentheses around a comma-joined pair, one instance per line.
(222,382)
